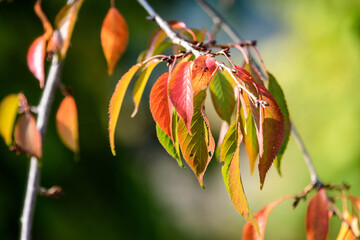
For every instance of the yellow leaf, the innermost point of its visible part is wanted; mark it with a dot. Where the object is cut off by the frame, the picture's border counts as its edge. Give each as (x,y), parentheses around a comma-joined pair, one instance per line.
(8,110)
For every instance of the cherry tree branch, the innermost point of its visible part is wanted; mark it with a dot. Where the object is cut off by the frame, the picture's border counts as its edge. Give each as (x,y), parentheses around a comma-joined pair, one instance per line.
(219,20)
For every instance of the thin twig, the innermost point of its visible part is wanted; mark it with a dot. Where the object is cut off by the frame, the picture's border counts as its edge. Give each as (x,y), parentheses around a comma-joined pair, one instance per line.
(217,19)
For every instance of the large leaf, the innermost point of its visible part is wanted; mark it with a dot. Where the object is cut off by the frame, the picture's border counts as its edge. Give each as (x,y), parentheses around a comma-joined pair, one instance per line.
(277,93)
(67,123)
(181,92)
(249,232)
(160,106)
(36,59)
(65,21)
(222,95)
(229,154)
(8,110)
(202,71)
(27,137)
(317,216)
(141,83)
(198,148)
(114,37)
(116,102)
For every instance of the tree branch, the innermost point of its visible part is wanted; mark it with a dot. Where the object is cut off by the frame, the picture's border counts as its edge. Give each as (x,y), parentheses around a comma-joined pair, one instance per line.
(219,20)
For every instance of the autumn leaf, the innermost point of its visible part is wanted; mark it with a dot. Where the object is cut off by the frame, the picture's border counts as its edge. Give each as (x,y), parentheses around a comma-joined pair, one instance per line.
(345,232)
(116,102)
(229,154)
(141,83)
(156,40)
(181,92)
(202,71)
(67,123)
(27,137)
(356,204)
(198,148)
(8,111)
(249,232)
(65,21)
(317,217)
(114,37)
(277,93)
(36,59)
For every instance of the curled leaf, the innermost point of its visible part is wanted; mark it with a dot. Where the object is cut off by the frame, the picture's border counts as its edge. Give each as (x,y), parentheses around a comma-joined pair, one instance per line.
(8,111)
(114,37)
(27,137)
(67,123)
(36,59)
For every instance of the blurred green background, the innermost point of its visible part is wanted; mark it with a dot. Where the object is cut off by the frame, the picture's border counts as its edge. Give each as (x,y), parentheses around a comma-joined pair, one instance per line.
(312,47)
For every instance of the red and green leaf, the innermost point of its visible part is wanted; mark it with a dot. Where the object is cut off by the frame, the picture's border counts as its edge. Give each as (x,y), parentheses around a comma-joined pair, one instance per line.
(181,92)
(141,83)
(114,37)
(198,148)
(229,154)
(317,216)
(116,102)
(8,110)
(202,71)
(67,123)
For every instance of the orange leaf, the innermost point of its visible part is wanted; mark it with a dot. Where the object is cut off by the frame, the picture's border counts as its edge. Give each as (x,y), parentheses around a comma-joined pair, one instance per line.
(114,37)
(27,137)
(160,106)
(249,232)
(181,92)
(116,102)
(317,217)
(202,71)
(67,123)
(8,111)
(36,59)
(345,232)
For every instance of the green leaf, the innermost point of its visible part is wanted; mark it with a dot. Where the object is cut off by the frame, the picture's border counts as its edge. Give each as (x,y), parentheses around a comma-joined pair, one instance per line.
(222,95)
(8,111)
(251,142)
(277,93)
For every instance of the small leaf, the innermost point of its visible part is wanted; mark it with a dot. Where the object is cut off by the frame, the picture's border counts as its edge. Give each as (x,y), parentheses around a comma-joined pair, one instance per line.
(251,142)
(317,217)
(277,93)
(355,201)
(36,59)
(27,137)
(141,83)
(249,232)
(116,102)
(114,37)
(181,92)
(229,154)
(156,39)
(345,232)
(65,21)
(8,110)
(198,148)
(202,71)
(160,106)
(222,95)
(67,123)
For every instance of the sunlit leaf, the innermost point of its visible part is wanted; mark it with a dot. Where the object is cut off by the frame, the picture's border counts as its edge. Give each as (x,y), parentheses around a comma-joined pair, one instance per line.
(198,148)
(156,39)
(223,130)
(67,123)
(345,232)
(65,21)
(114,37)
(277,93)
(8,111)
(141,83)
(222,95)
(317,217)
(36,59)
(249,232)
(27,137)
(116,102)
(181,92)
(229,154)
(202,71)
(160,106)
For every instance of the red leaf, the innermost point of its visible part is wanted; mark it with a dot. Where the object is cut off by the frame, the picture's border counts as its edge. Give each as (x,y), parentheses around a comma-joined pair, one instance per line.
(27,136)
(181,92)
(36,59)
(67,123)
(114,37)
(317,217)
(202,71)
(160,106)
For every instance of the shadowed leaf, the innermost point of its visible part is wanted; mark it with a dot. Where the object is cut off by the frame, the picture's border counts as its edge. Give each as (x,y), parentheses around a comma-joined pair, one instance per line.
(202,71)
(114,37)
(67,123)
(36,59)
(8,110)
